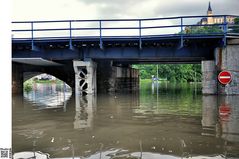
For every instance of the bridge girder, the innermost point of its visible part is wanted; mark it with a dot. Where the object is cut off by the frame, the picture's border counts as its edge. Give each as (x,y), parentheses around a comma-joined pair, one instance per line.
(163,50)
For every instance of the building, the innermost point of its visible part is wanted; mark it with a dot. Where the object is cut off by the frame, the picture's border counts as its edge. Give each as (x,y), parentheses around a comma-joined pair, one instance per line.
(215,20)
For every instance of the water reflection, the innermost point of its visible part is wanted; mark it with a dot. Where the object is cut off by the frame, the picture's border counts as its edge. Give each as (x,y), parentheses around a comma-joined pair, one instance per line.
(174,122)
(220,118)
(49,95)
(210,115)
(85,108)
(229,118)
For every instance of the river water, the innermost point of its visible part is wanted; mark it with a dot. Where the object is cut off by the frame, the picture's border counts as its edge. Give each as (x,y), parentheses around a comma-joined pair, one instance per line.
(163,120)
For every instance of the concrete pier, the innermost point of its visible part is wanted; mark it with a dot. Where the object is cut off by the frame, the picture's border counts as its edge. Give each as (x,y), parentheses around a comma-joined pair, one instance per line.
(85,77)
(228,60)
(127,78)
(209,77)
(116,78)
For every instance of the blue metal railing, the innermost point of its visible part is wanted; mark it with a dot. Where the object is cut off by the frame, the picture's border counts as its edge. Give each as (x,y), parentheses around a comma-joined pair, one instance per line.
(137,29)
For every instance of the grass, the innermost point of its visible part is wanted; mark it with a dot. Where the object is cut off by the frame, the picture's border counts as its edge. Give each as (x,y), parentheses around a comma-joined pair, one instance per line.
(145,80)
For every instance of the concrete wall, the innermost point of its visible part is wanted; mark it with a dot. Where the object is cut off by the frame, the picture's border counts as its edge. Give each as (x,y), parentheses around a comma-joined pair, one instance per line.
(228,59)
(114,79)
(209,77)
(17,78)
(127,78)
(105,76)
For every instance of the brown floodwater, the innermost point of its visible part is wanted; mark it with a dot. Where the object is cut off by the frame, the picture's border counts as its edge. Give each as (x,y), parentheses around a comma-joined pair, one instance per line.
(165,121)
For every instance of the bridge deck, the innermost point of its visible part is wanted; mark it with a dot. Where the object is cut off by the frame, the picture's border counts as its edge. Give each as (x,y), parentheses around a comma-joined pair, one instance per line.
(172,39)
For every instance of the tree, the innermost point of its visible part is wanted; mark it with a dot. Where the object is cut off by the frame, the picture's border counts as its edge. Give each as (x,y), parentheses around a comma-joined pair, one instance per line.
(235,27)
(203,30)
(171,72)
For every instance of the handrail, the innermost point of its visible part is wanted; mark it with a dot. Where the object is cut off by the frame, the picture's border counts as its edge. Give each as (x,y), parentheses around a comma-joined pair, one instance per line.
(102,28)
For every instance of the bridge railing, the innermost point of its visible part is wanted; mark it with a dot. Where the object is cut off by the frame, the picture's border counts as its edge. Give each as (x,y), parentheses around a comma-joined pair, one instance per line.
(101,30)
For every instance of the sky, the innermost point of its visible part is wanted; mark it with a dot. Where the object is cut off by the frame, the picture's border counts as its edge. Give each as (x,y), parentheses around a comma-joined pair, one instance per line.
(116,9)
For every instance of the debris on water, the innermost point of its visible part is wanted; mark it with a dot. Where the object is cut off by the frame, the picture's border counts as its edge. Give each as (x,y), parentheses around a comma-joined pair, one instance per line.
(111,117)
(88,151)
(170,151)
(139,116)
(66,148)
(93,137)
(34,143)
(153,147)
(52,139)
(183,144)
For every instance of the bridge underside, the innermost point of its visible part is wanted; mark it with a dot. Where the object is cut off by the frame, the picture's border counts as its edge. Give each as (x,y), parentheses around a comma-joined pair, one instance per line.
(158,50)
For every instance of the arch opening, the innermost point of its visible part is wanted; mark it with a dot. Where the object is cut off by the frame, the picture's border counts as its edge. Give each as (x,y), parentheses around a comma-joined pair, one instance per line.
(169,77)
(45,90)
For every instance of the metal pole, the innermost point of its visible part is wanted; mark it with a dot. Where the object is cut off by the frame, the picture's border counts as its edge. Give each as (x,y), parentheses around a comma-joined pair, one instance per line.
(181,42)
(195,81)
(64,96)
(157,73)
(101,43)
(32,36)
(225,31)
(70,42)
(140,40)
(157,88)
(157,81)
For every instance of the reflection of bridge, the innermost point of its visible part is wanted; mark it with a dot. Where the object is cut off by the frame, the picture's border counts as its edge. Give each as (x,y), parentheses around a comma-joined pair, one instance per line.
(116,43)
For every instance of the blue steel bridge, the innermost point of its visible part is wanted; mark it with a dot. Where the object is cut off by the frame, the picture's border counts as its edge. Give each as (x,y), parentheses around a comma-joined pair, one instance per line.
(121,41)
(161,39)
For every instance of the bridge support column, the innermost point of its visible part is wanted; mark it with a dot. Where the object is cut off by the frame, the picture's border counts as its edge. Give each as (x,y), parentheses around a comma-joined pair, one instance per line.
(116,78)
(85,77)
(127,78)
(228,59)
(209,77)
(17,79)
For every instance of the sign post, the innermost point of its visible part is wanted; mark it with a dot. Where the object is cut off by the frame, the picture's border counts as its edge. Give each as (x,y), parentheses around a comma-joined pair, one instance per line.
(224,77)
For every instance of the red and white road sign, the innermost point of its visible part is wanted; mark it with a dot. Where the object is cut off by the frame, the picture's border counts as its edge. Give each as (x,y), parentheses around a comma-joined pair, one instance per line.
(224,77)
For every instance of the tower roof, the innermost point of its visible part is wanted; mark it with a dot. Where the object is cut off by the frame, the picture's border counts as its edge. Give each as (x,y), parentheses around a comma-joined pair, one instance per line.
(209,7)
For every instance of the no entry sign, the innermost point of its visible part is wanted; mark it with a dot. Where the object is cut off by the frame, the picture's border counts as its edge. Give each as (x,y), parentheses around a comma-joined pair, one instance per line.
(224,77)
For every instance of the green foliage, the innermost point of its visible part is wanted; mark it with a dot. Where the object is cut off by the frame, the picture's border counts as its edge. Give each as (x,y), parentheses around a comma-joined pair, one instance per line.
(27,86)
(171,72)
(235,27)
(203,30)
